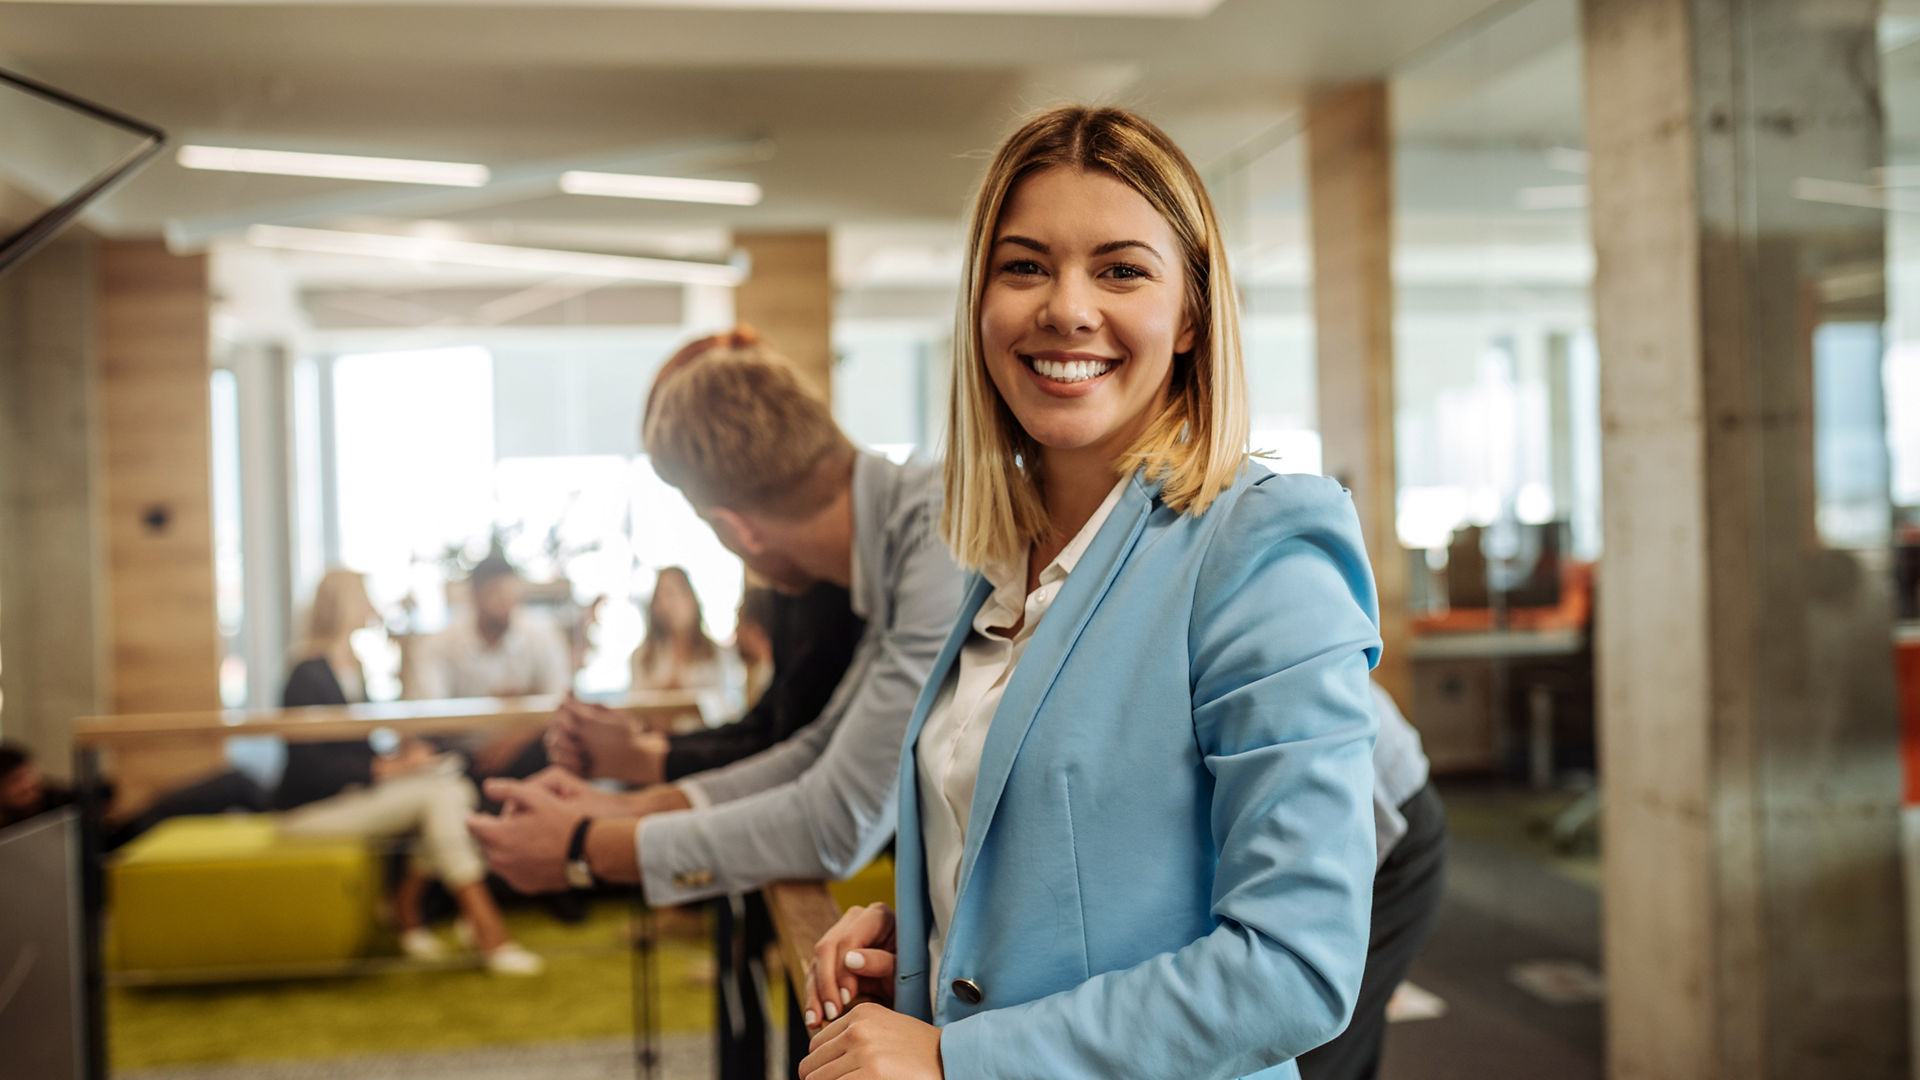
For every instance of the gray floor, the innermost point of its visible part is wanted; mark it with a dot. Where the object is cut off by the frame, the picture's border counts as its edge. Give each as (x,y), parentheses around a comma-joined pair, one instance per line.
(1506,905)
(684,1057)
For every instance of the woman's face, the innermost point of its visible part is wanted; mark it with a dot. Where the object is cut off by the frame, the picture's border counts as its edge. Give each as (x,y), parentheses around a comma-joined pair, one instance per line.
(1083,310)
(360,610)
(673,603)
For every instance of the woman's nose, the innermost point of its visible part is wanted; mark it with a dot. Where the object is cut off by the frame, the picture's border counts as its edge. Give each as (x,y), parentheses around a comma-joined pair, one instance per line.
(1070,306)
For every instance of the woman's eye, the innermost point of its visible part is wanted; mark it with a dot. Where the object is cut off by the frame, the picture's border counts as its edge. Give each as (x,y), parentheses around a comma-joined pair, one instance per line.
(1126,271)
(1020,268)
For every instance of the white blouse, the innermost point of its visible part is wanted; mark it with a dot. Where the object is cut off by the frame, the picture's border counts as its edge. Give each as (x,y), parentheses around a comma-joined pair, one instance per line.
(955,733)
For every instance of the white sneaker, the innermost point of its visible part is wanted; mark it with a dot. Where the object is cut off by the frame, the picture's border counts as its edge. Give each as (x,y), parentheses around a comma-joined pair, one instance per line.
(513,959)
(421,943)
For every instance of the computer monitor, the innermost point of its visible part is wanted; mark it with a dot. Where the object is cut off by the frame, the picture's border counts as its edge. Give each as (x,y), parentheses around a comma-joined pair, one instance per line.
(43,1015)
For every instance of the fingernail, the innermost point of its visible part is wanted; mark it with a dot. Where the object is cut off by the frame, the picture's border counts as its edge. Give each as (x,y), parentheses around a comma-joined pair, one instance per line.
(813,1019)
(846,996)
(856,961)
(832,1013)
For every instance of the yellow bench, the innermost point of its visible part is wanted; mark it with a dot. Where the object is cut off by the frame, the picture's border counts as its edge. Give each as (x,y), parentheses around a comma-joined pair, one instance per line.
(205,895)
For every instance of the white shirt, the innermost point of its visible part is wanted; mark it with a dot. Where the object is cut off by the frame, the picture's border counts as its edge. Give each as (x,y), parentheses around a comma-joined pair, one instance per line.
(530,658)
(955,733)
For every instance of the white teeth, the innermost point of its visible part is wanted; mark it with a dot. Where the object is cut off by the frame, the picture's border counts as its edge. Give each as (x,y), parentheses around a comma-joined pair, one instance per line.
(1072,371)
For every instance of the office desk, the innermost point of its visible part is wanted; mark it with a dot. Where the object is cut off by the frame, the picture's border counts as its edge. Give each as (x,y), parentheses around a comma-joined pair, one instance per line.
(1464,685)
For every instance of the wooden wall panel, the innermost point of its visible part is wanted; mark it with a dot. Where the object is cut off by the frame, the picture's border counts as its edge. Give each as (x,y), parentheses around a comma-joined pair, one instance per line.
(788,297)
(156,457)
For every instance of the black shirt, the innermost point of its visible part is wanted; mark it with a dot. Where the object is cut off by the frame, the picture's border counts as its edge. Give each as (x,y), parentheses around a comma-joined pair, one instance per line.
(813,636)
(320,770)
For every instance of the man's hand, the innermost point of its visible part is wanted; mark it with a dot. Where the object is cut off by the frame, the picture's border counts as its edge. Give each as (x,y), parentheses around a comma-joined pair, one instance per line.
(874,1043)
(415,755)
(604,743)
(573,792)
(527,843)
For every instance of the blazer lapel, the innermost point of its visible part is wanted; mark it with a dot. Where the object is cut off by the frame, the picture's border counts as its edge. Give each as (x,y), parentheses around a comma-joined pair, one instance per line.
(909,859)
(975,594)
(1040,665)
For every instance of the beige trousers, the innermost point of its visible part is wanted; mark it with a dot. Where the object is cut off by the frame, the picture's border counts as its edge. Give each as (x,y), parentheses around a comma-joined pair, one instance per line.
(432,807)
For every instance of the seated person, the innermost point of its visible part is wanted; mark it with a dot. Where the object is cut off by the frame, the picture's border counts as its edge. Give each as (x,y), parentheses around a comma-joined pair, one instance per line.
(346,789)
(677,654)
(501,651)
(800,505)
(808,641)
(25,792)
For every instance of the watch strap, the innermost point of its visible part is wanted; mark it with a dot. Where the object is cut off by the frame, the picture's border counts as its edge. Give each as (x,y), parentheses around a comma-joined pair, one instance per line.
(579,871)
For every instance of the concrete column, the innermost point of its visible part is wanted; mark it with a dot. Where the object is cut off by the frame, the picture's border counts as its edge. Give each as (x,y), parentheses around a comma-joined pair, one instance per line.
(52,666)
(1350,184)
(788,297)
(1754,926)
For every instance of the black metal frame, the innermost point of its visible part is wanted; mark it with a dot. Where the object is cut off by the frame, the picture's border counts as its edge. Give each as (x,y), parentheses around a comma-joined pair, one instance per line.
(87,781)
(29,237)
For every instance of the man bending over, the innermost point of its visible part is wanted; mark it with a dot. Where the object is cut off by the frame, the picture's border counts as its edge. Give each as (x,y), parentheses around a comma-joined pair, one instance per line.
(760,458)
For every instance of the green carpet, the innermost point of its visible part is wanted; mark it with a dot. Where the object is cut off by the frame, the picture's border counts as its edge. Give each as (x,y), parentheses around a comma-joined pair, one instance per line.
(586,992)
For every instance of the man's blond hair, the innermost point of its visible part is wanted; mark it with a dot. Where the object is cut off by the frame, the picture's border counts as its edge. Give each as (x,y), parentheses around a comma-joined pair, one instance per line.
(1195,444)
(732,424)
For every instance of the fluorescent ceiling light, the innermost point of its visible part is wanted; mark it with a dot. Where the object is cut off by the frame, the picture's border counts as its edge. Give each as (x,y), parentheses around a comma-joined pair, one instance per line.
(499,256)
(332,166)
(1554,197)
(668,188)
(1847,193)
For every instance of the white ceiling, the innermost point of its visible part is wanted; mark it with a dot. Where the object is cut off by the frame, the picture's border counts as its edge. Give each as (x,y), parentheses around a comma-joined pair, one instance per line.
(871,117)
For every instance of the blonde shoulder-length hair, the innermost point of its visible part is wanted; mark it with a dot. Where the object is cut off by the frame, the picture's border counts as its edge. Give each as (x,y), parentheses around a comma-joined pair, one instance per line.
(995,507)
(339,608)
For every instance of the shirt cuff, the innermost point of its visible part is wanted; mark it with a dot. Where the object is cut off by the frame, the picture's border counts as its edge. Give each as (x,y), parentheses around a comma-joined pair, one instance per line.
(697,797)
(665,880)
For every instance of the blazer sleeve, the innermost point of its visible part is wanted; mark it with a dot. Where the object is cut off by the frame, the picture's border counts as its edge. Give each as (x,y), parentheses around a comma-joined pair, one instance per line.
(839,813)
(1283,633)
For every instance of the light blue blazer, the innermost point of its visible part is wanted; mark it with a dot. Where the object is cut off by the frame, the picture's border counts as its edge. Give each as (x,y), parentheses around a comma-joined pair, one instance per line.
(1169,863)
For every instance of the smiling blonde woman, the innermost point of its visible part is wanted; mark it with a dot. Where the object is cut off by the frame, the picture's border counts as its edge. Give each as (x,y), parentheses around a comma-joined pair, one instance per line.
(1136,829)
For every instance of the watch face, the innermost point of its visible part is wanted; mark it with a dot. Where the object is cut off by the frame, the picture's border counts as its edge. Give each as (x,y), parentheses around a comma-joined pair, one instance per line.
(579,875)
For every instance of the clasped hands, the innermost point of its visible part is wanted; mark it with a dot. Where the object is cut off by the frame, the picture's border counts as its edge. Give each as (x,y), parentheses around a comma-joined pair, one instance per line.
(604,744)
(850,987)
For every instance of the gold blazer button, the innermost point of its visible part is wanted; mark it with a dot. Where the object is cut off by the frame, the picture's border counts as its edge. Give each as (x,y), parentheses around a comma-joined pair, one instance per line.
(967,991)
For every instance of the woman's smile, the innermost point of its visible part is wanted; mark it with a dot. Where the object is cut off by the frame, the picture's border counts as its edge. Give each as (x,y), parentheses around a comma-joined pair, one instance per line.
(1068,374)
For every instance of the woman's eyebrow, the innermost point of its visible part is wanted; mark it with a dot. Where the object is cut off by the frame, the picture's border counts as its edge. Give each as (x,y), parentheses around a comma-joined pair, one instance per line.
(1107,248)
(1112,246)
(1025,242)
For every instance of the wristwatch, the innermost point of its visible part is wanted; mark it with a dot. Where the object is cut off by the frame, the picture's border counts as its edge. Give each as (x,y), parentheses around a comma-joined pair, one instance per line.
(579,873)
